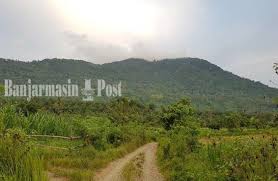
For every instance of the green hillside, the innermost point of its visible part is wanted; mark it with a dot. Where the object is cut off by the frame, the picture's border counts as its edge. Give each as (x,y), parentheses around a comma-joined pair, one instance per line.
(160,82)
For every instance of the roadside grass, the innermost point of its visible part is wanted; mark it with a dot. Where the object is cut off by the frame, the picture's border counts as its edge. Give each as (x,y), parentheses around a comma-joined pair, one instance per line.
(223,139)
(209,136)
(236,157)
(207,132)
(80,164)
(18,160)
(134,169)
(102,141)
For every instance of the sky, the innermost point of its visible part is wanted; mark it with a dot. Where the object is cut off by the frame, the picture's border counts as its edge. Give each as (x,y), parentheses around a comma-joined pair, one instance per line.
(239,36)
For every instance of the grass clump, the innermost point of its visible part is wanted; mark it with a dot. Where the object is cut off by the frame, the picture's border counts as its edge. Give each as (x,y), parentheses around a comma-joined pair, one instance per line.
(134,169)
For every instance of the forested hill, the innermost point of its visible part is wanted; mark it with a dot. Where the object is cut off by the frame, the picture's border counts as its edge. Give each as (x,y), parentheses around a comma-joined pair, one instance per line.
(159,82)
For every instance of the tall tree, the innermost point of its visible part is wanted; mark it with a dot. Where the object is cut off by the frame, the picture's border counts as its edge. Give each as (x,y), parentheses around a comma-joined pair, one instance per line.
(275,100)
(275,66)
(175,113)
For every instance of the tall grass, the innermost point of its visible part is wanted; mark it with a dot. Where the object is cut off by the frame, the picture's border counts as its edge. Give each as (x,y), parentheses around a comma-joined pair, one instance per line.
(38,123)
(18,160)
(103,140)
(239,158)
(50,124)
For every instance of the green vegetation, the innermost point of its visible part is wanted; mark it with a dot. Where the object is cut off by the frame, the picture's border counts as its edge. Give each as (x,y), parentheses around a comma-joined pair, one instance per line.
(18,161)
(2,90)
(161,82)
(176,113)
(237,120)
(134,169)
(73,139)
(188,152)
(94,138)
(275,101)
(245,158)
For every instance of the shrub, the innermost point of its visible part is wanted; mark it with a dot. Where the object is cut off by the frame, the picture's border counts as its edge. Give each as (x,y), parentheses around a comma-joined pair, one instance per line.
(175,113)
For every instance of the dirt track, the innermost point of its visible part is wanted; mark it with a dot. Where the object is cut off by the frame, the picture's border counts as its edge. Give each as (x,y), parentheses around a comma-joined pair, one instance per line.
(113,172)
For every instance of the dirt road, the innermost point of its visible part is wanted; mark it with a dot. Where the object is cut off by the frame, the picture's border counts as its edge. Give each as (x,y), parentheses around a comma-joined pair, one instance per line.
(113,172)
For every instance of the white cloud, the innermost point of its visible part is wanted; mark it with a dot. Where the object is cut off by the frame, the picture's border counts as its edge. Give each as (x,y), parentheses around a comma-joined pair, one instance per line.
(232,34)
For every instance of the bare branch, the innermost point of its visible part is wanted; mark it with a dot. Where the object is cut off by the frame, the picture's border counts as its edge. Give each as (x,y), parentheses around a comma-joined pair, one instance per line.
(61,137)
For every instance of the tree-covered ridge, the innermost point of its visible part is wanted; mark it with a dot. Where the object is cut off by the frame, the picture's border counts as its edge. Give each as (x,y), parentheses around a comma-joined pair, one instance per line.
(160,82)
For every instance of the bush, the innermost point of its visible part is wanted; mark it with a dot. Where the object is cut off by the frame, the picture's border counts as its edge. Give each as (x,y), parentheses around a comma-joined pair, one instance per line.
(180,141)
(175,113)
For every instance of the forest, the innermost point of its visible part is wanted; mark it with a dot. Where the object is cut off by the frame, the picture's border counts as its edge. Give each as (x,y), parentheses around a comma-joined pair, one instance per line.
(162,82)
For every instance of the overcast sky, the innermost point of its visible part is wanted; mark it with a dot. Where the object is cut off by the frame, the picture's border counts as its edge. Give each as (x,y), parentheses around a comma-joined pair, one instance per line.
(240,36)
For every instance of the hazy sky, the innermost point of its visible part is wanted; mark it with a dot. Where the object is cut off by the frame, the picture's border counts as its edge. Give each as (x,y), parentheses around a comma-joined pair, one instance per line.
(238,35)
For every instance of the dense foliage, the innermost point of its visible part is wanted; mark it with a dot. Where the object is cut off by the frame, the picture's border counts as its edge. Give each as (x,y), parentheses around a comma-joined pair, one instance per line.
(192,145)
(235,120)
(174,114)
(184,157)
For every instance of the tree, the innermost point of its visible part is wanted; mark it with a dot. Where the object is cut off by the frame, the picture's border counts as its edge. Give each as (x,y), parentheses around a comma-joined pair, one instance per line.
(233,120)
(275,66)
(275,101)
(176,113)
(2,89)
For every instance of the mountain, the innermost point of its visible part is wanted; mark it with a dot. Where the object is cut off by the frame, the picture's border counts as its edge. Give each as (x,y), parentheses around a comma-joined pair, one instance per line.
(160,82)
